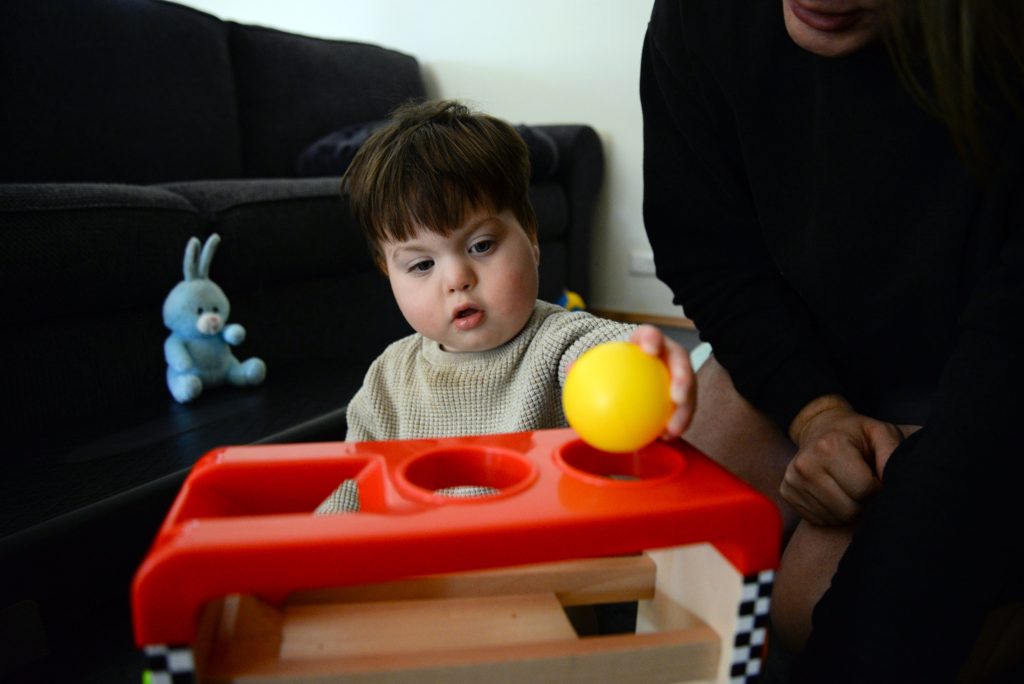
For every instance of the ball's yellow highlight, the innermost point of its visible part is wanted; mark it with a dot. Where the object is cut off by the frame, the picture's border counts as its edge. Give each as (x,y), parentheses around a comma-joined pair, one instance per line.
(616,397)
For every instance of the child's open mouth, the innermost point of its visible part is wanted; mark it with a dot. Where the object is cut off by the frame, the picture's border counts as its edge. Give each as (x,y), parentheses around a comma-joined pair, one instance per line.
(468,318)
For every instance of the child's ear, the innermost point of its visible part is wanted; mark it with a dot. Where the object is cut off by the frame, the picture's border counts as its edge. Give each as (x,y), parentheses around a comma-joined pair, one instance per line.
(536,252)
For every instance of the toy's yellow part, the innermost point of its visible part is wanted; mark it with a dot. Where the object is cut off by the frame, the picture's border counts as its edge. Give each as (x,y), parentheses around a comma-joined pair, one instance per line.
(616,397)
(572,301)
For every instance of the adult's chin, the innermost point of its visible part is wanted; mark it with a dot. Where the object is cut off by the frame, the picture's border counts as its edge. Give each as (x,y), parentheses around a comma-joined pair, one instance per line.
(829,34)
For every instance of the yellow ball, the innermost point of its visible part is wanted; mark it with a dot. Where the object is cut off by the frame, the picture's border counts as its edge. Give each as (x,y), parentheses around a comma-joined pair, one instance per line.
(616,397)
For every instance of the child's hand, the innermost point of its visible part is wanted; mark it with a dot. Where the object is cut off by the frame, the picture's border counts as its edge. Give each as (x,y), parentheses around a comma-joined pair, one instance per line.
(683,387)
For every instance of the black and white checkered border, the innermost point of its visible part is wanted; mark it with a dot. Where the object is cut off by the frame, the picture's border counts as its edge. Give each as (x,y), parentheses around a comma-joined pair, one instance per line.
(751,627)
(169,665)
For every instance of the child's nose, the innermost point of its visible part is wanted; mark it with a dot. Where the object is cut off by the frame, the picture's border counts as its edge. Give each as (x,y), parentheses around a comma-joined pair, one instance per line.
(460,277)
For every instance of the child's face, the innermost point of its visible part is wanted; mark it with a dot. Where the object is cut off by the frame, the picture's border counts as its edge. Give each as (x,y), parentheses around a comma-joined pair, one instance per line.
(472,290)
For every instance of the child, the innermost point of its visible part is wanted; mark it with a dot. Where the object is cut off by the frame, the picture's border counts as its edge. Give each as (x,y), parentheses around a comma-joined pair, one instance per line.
(442,196)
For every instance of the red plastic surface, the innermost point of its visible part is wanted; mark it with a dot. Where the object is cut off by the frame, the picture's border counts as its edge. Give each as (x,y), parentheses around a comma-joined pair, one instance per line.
(243,521)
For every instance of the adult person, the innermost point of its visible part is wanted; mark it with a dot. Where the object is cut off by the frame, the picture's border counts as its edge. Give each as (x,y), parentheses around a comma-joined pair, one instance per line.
(833,193)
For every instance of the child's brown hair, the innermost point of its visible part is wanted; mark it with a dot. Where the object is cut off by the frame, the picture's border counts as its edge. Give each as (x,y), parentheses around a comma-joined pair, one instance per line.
(430,165)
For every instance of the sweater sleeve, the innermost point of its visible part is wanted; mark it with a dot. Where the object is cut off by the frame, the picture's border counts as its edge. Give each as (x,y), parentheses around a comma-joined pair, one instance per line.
(702,225)
(597,331)
(359,417)
(371,414)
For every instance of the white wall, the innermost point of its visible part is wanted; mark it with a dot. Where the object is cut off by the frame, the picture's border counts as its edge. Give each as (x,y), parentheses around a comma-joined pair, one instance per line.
(528,61)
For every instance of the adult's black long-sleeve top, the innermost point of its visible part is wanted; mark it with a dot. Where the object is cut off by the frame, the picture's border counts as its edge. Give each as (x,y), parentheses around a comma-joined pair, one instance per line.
(820,229)
(813,221)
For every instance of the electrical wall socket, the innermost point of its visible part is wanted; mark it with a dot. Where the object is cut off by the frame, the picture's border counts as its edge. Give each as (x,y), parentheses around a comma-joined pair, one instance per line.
(641,262)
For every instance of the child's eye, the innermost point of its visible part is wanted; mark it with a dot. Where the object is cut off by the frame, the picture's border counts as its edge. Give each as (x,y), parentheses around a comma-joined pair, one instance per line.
(422,266)
(481,247)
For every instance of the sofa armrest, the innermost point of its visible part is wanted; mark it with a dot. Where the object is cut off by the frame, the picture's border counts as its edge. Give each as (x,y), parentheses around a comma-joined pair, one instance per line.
(580,171)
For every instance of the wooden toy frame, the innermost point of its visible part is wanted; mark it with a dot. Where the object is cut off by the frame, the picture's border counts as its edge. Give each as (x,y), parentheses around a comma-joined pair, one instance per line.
(244,584)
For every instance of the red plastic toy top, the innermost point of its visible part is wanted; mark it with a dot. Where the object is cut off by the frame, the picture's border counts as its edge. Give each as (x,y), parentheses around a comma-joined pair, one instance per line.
(243,521)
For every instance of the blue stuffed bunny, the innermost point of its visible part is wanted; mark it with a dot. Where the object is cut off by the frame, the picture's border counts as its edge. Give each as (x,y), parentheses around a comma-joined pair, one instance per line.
(197,350)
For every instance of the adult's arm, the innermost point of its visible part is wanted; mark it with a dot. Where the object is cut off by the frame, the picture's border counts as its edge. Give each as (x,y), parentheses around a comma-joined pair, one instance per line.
(703,227)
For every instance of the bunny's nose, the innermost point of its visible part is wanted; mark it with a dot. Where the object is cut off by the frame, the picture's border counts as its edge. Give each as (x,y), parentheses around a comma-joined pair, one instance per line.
(210,323)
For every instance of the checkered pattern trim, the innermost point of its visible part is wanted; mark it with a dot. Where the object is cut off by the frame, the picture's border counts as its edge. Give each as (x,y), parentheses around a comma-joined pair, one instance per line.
(169,665)
(751,627)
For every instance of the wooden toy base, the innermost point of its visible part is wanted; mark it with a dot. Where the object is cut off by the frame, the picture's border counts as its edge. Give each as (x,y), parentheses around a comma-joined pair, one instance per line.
(441,589)
(503,625)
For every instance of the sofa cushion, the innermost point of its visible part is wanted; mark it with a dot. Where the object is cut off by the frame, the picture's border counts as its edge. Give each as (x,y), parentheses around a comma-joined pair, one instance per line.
(331,154)
(94,250)
(85,269)
(293,90)
(114,91)
(551,206)
(277,230)
(297,271)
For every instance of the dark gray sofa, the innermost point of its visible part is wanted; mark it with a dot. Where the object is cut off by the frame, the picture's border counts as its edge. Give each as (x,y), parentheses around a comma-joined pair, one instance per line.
(129,126)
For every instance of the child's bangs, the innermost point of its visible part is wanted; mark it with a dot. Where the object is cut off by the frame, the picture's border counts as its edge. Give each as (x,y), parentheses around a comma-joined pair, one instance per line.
(430,203)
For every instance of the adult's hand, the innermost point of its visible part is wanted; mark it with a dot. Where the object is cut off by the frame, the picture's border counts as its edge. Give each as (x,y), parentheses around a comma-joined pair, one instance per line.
(840,457)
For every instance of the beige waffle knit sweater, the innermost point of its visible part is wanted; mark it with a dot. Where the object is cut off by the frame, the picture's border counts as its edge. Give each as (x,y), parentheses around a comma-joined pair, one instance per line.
(417,390)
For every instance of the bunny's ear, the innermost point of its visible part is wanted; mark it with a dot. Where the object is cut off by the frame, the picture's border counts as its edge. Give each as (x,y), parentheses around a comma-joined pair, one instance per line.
(191,263)
(207,256)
